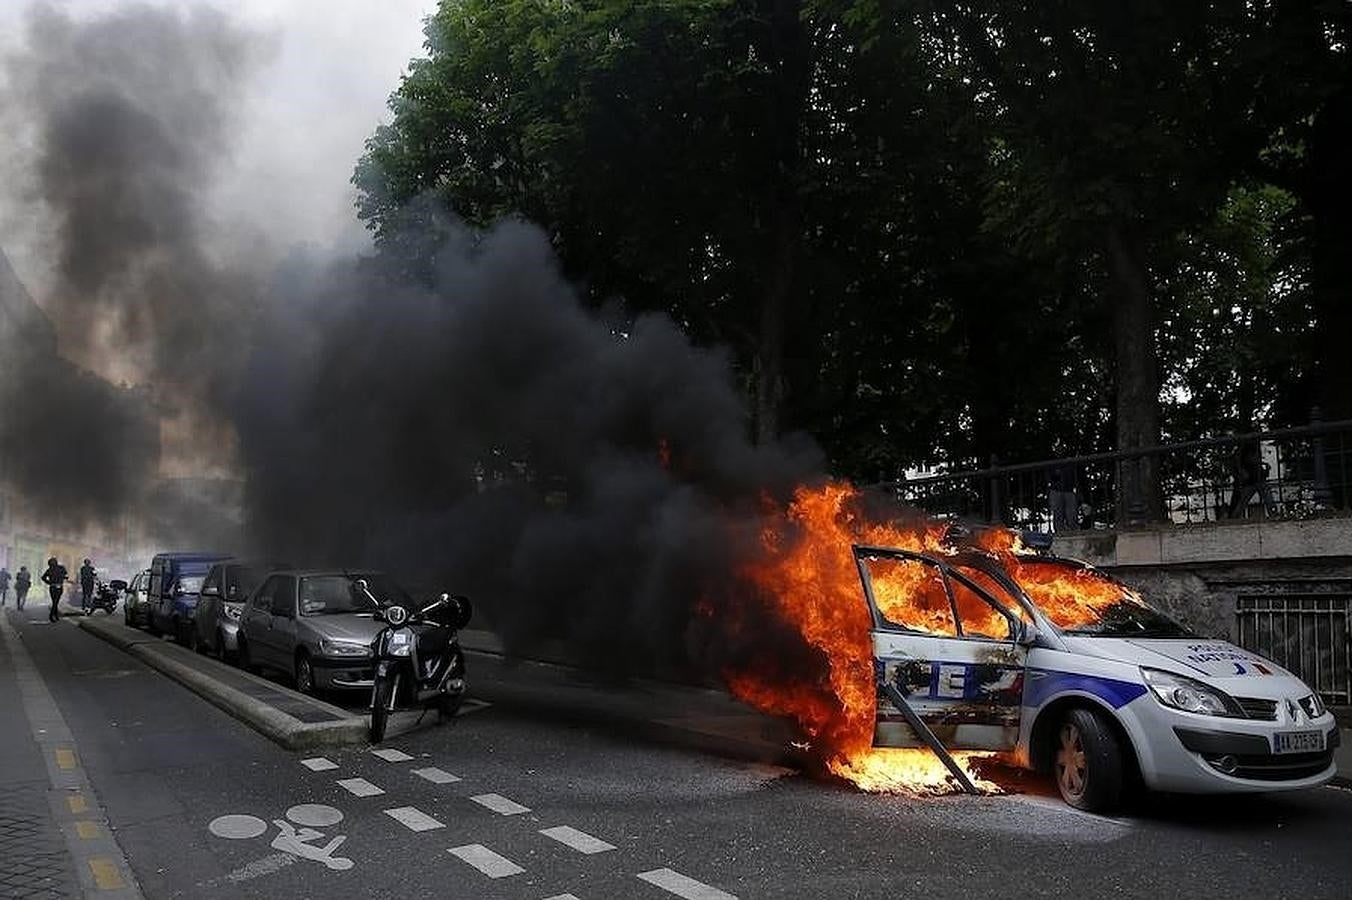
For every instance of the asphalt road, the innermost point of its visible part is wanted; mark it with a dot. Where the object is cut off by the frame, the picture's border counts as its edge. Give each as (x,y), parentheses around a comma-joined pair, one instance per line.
(166,766)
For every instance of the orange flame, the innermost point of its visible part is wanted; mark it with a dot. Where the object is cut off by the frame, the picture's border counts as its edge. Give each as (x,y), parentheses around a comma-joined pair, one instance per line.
(809,577)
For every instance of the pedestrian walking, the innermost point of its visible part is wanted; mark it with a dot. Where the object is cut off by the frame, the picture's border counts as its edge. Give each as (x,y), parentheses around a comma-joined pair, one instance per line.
(87,577)
(22,582)
(4,586)
(55,578)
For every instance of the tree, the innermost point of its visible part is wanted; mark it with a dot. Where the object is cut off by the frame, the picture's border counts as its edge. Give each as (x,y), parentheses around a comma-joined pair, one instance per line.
(1119,126)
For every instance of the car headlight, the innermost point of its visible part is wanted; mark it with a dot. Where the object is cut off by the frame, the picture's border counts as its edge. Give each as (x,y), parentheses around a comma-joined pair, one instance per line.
(330,647)
(232,612)
(1189,695)
(1313,705)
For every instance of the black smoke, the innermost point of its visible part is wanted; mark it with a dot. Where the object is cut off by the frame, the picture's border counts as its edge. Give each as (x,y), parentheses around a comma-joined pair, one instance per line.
(587,478)
(129,114)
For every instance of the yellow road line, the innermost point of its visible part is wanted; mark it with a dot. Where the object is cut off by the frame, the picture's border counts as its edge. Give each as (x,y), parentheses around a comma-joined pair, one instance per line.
(77,803)
(106,874)
(65,758)
(87,830)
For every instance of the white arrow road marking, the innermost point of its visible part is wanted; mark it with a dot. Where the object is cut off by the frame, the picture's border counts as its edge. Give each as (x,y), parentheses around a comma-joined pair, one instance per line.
(413,819)
(578,840)
(359,787)
(500,804)
(389,754)
(486,861)
(683,886)
(436,776)
(319,764)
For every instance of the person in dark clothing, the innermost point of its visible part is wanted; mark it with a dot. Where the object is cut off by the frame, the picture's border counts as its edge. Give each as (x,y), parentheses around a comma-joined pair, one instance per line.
(55,578)
(1250,481)
(22,582)
(87,576)
(4,586)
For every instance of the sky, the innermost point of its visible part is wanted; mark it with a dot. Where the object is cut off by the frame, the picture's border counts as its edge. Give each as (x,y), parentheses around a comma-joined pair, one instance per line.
(320,90)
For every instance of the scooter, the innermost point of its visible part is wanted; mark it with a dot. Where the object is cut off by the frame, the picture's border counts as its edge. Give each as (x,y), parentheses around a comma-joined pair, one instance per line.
(418,660)
(106,595)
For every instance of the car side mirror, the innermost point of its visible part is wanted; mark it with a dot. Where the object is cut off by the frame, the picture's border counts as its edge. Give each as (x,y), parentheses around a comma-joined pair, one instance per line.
(1026,634)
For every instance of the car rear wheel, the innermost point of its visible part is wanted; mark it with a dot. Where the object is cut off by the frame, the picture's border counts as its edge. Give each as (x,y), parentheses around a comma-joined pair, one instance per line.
(1088,762)
(305,674)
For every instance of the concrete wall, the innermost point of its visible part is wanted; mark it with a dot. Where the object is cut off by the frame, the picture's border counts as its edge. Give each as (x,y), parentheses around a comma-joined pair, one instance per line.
(1195,573)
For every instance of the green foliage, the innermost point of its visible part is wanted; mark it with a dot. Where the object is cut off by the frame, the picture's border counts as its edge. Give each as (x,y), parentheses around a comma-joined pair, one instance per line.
(930,181)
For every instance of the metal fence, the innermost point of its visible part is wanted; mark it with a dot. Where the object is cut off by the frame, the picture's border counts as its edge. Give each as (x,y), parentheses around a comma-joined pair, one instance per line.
(1292,473)
(1306,633)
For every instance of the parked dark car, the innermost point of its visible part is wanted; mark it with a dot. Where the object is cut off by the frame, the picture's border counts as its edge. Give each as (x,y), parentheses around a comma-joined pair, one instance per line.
(175,583)
(135,603)
(225,590)
(317,626)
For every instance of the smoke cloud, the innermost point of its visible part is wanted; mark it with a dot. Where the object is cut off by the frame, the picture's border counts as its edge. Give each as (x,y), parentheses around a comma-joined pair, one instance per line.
(586,478)
(129,116)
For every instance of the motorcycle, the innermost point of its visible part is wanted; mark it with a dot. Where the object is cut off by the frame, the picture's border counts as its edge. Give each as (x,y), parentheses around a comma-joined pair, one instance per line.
(106,595)
(418,660)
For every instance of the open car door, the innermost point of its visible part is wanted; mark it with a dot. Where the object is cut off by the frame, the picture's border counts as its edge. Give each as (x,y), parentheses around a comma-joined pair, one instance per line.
(949,651)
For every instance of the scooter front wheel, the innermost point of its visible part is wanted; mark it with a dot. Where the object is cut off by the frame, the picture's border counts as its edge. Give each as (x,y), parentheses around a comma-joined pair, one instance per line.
(380,708)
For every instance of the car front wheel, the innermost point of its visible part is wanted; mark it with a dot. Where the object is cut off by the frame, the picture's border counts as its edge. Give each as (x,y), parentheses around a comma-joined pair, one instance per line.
(1088,762)
(305,674)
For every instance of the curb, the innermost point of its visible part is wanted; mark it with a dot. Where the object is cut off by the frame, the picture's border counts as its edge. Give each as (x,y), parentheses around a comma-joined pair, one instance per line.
(263,718)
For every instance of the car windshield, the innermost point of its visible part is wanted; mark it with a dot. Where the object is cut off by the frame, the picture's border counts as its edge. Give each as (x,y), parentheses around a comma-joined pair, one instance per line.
(1082,600)
(326,594)
(190,584)
(245,579)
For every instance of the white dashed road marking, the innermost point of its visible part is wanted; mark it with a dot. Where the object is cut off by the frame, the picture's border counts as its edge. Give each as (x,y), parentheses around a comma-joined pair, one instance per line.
(500,804)
(319,764)
(359,787)
(578,840)
(683,886)
(389,754)
(562,897)
(436,776)
(413,819)
(486,861)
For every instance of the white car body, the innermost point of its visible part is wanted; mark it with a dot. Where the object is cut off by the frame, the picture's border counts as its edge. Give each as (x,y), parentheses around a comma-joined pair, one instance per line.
(1011,694)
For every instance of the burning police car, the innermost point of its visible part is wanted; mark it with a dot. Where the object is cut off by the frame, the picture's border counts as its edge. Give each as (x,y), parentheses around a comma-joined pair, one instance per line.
(1073,673)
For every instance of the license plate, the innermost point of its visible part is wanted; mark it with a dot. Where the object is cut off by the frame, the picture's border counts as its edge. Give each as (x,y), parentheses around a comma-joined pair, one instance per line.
(1298,741)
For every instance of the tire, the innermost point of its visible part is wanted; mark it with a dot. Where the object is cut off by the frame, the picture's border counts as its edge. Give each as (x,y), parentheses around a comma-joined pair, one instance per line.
(1087,762)
(305,674)
(380,709)
(449,704)
(243,658)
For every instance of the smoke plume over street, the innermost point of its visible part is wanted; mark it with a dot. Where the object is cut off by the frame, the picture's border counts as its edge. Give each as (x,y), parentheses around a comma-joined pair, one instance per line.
(584,476)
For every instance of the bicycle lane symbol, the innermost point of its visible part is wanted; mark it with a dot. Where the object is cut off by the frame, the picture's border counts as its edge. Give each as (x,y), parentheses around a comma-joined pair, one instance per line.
(289,838)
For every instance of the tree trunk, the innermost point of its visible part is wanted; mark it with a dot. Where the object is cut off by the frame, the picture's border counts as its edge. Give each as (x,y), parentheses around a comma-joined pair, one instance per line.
(1137,370)
(1328,196)
(786,47)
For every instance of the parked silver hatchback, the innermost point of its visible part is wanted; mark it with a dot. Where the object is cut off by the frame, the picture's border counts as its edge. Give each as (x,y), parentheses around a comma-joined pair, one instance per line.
(316,627)
(225,590)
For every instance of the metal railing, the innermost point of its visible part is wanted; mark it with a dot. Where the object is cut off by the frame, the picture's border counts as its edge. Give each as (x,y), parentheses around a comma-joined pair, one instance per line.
(1291,473)
(1308,634)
